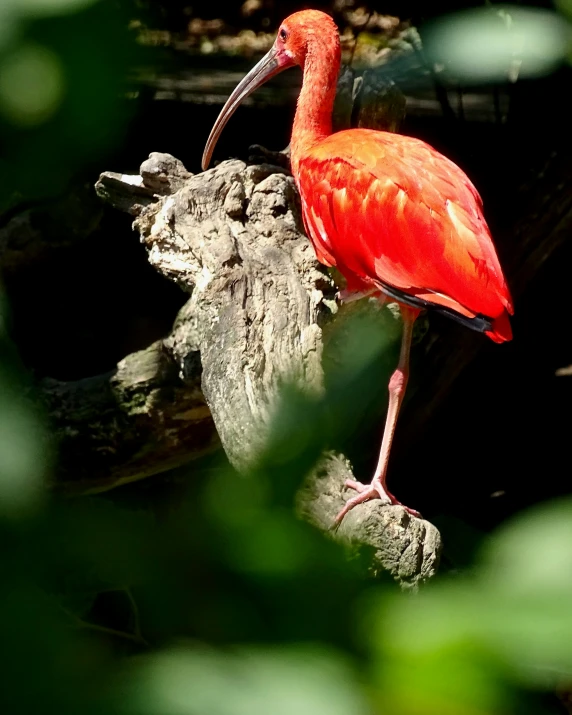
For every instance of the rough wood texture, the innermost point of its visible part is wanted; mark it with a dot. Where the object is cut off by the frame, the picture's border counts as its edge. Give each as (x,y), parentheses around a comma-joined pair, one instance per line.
(232,238)
(136,421)
(383,538)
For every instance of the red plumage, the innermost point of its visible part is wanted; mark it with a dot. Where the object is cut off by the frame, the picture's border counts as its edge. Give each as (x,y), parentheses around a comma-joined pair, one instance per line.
(387,208)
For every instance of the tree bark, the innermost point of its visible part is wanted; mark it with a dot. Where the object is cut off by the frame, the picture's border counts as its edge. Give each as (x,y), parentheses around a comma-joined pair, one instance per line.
(232,238)
(383,538)
(130,423)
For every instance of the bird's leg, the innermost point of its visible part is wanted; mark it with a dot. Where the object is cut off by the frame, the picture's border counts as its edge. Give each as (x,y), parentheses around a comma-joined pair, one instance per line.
(397,384)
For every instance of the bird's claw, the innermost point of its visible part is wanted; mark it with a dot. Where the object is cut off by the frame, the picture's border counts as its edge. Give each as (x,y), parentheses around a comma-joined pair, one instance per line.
(365,492)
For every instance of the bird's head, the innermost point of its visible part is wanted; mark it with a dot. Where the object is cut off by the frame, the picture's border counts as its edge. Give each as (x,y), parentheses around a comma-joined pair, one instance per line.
(304,33)
(301,35)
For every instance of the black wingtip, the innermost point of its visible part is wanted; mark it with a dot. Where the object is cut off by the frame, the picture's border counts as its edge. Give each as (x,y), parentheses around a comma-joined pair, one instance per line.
(480,323)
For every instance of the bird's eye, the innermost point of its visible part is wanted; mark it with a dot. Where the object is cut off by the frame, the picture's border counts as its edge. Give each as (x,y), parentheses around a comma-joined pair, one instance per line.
(283,34)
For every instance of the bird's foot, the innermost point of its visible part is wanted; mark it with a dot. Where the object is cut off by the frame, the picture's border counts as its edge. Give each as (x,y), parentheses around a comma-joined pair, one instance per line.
(365,492)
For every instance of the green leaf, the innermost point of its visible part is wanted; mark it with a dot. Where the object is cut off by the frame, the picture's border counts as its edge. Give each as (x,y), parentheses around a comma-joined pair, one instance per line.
(255,681)
(533,553)
(527,572)
(37,8)
(498,43)
(31,85)
(87,546)
(25,454)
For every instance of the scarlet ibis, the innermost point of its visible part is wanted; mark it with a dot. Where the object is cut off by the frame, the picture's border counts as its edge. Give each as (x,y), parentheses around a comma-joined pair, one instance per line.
(394,215)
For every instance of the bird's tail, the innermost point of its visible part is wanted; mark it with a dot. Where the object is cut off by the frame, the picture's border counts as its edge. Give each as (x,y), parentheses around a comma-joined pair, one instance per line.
(501,330)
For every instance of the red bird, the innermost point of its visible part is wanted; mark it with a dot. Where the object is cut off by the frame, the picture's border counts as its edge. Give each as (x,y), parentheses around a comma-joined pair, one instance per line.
(389,211)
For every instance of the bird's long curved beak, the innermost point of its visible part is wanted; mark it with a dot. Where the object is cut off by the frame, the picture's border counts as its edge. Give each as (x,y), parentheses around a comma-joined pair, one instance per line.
(271,64)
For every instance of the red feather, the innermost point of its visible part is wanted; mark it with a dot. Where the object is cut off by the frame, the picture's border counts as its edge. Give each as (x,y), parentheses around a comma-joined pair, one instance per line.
(387,208)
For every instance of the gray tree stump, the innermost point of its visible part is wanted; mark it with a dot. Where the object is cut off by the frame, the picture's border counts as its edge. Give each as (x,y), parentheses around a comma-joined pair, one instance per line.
(232,238)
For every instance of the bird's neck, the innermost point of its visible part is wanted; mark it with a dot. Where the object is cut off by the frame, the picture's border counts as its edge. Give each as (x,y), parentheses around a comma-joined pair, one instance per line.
(313,119)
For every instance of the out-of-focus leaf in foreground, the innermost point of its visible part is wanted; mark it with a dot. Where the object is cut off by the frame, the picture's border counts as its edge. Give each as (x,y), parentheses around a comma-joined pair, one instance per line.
(62,70)
(565,7)
(31,85)
(527,570)
(359,356)
(498,43)
(247,681)
(52,7)
(24,450)
(463,645)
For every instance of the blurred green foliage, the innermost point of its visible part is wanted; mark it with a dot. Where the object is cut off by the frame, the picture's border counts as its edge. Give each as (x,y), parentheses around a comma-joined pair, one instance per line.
(216,599)
(62,72)
(25,455)
(498,43)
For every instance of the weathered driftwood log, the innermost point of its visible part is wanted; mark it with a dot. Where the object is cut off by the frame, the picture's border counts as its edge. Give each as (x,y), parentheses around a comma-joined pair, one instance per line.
(232,238)
(130,423)
(384,539)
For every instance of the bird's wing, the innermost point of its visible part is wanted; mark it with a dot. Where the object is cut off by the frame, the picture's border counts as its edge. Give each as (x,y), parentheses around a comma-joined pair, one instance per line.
(390,208)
